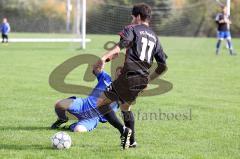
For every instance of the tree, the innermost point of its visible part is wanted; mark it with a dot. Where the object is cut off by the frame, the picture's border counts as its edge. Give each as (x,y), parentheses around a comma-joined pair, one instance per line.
(113,15)
(235,16)
(34,15)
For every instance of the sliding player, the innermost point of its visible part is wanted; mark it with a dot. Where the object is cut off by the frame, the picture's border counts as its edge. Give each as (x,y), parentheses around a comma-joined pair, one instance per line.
(142,46)
(223,22)
(85,108)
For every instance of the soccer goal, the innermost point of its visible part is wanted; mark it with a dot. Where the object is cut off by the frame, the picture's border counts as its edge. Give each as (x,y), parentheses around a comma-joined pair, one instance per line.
(59,21)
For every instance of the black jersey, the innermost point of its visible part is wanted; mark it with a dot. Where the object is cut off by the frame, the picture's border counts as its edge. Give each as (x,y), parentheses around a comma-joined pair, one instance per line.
(222,26)
(142,46)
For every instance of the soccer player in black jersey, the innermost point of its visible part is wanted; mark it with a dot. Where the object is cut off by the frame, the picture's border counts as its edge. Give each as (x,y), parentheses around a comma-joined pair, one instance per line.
(142,46)
(223,23)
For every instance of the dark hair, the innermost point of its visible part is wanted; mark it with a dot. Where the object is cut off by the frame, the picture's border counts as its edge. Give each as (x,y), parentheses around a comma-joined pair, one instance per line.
(143,10)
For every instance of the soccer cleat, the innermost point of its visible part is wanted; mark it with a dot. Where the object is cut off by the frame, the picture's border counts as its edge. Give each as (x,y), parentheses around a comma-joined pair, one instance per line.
(125,138)
(133,145)
(58,123)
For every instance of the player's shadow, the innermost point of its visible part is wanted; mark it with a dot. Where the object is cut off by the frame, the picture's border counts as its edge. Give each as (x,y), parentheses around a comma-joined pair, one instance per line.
(26,128)
(23,147)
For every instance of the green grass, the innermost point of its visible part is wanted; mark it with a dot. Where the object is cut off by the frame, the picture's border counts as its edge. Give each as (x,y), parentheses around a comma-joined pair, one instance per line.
(206,84)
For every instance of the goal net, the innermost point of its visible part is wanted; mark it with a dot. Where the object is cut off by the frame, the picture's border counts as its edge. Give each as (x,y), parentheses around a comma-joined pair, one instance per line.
(188,19)
(167,21)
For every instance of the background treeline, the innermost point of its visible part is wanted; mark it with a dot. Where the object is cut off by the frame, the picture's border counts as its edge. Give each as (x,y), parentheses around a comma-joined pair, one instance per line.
(34,15)
(170,17)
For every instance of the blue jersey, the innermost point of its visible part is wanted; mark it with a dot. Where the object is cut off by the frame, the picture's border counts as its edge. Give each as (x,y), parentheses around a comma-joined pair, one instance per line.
(85,108)
(5,28)
(104,80)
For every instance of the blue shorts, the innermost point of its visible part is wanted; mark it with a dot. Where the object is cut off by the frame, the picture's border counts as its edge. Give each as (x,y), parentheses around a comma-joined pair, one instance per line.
(78,106)
(224,35)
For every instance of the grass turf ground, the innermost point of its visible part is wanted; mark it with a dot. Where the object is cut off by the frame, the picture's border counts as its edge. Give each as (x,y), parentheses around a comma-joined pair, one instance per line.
(204,83)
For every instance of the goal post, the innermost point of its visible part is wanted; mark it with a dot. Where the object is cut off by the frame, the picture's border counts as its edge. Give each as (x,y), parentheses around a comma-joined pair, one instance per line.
(228,4)
(84,10)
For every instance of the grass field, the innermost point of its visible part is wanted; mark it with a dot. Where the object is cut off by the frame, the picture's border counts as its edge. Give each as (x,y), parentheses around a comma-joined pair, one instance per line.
(204,83)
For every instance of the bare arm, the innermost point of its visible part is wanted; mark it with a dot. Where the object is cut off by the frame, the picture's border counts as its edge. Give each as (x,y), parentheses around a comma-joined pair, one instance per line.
(112,54)
(126,37)
(221,21)
(228,21)
(225,21)
(98,67)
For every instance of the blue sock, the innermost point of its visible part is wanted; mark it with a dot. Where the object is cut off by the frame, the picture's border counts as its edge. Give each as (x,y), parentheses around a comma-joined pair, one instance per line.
(218,46)
(229,45)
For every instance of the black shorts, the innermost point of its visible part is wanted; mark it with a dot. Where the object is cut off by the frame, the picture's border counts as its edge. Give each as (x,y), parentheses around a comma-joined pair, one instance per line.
(4,36)
(126,87)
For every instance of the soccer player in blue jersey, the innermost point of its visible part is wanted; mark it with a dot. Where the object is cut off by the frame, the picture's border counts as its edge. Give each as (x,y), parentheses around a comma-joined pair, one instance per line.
(85,108)
(5,29)
(223,22)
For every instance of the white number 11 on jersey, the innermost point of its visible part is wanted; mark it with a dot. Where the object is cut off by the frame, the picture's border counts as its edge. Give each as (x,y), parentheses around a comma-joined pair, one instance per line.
(144,51)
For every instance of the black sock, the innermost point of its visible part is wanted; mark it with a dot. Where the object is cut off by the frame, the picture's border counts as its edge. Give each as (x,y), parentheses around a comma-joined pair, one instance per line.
(111,117)
(61,113)
(129,122)
(218,44)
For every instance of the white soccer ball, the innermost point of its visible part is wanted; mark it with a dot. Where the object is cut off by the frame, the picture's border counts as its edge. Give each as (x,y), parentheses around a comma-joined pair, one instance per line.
(61,140)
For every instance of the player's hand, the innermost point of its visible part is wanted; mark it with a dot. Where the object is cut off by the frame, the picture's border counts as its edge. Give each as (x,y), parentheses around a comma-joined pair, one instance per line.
(98,66)
(222,21)
(115,56)
(111,57)
(101,63)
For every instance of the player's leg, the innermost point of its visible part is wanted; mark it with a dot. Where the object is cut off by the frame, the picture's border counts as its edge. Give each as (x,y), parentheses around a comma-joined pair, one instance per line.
(229,42)
(6,36)
(61,107)
(77,127)
(85,125)
(127,87)
(105,109)
(80,129)
(2,38)
(218,46)
(220,39)
(129,122)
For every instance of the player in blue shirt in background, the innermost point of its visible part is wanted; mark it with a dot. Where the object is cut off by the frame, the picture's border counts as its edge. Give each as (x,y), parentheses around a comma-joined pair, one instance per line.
(5,29)
(223,27)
